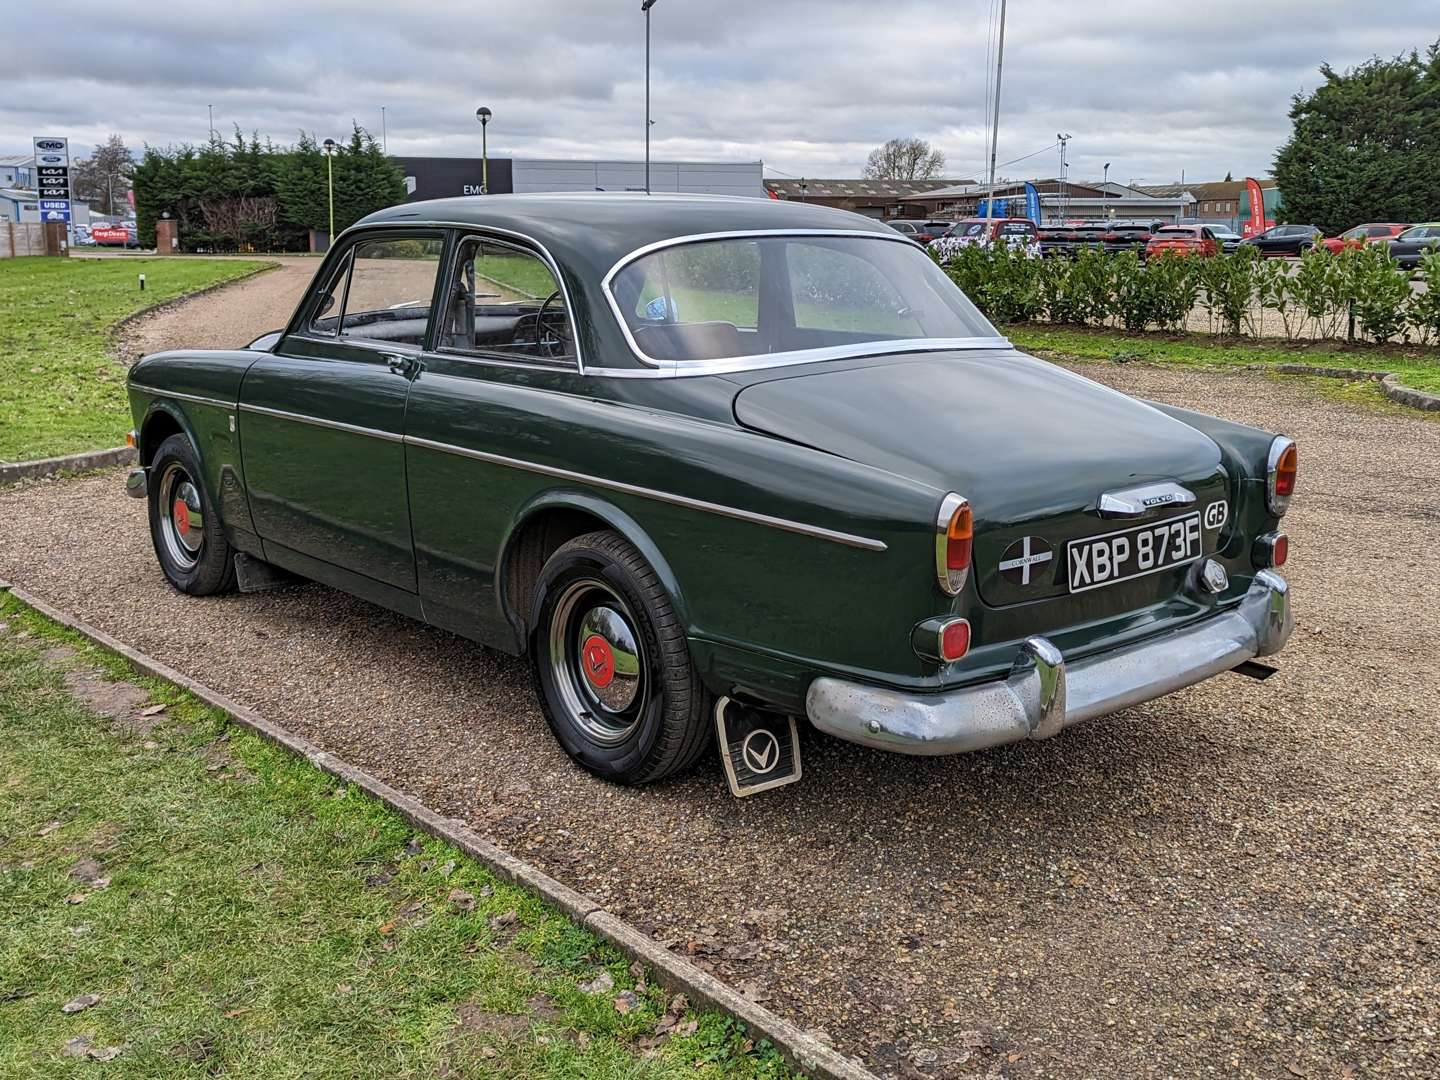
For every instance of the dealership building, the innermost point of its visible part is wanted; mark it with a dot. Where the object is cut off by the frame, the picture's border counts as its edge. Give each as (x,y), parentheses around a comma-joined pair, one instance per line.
(443,178)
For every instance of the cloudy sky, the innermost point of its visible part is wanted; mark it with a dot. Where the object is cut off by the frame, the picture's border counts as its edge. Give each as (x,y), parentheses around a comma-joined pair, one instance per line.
(808,86)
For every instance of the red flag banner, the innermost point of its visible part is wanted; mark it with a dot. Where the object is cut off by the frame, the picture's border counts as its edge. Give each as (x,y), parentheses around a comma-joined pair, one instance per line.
(1255,223)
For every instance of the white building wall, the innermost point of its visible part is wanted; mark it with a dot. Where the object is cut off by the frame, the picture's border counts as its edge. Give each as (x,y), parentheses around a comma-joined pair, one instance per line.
(694,177)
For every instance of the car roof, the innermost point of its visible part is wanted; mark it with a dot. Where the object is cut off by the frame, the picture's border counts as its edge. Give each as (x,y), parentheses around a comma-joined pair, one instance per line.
(588,232)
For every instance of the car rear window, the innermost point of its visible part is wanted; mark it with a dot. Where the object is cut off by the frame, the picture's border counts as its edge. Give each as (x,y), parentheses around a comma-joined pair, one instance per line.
(766,296)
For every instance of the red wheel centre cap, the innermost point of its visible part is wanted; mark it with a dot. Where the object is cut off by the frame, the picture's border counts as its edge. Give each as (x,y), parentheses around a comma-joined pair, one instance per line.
(182,517)
(598,661)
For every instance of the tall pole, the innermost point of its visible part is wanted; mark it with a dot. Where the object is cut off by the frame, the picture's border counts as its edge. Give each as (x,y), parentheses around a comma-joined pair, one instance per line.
(330,193)
(995,126)
(384,136)
(483,114)
(645,6)
(211,108)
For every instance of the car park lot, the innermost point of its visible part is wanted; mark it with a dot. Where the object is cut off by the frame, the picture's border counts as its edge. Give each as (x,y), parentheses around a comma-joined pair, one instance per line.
(1236,880)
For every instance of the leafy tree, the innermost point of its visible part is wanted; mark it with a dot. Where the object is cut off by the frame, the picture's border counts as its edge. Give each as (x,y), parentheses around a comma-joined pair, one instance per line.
(104,177)
(1365,145)
(904,159)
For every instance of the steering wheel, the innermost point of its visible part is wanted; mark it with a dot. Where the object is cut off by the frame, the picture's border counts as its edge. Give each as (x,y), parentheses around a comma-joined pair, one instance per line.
(552,327)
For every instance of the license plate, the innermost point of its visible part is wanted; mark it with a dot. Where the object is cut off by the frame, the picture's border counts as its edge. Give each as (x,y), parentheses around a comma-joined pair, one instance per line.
(1132,553)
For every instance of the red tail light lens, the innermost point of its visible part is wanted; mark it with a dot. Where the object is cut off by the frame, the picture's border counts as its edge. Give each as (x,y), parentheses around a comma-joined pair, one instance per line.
(954,640)
(1271,551)
(954,543)
(1280,480)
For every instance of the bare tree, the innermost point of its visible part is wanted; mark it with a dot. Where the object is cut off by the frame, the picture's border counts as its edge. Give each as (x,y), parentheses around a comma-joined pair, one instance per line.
(904,159)
(104,177)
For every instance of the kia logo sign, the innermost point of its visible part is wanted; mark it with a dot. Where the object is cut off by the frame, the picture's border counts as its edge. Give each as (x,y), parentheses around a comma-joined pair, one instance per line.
(50,144)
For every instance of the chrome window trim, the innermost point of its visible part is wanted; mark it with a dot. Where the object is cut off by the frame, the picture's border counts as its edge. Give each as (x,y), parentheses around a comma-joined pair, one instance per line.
(196,398)
(470,228)
(723,365)
(571,364)
(847,539)
(315,421)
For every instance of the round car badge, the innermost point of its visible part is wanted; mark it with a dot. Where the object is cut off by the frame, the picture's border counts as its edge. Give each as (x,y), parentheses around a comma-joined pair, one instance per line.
(598,660)
(761,751)
(1024,561)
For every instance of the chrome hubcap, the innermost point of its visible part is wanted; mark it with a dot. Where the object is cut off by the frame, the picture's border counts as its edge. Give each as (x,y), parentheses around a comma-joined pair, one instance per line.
(182,516)
(598,664)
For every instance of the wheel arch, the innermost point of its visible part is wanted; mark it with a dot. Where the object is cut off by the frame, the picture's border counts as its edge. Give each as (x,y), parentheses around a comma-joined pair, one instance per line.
(543,525)
(163,420)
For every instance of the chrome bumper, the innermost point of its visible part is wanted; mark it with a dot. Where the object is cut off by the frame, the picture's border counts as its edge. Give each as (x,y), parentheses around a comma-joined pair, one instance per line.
(135,483)
(1043,694)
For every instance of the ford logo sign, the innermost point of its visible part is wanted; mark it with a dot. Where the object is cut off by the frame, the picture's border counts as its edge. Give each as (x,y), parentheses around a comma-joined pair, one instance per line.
(49,144)
(51,159)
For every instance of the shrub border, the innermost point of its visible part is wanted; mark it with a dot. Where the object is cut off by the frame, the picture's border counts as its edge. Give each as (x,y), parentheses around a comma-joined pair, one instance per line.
(800,1049)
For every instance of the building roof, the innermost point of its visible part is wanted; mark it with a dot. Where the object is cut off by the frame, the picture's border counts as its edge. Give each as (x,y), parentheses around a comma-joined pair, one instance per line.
(17,159)
(1205,190)
(856,189)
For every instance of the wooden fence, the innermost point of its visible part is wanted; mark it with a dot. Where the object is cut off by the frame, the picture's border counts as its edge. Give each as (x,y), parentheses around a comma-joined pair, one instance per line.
(21,238)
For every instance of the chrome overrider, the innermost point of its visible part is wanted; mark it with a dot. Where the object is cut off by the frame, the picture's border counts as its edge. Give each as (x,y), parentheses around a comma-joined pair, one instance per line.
(1044,694)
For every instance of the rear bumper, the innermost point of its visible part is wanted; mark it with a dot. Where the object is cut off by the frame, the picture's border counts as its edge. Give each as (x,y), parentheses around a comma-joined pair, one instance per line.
(1044,694)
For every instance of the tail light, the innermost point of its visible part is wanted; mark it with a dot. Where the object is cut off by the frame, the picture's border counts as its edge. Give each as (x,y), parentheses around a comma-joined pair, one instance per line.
(1271,550)
(954,640)
(1280,474)
(954,543)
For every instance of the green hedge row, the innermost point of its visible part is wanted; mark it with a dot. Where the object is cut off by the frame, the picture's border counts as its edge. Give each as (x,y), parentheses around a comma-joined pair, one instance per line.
(1239,293)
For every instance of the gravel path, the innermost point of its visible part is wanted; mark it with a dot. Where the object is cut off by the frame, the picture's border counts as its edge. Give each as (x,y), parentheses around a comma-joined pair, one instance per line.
(1240,880)
(227,318)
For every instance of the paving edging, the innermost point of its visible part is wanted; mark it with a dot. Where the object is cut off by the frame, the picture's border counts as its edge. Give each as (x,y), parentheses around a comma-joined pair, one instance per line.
(10,472)
(801,1049)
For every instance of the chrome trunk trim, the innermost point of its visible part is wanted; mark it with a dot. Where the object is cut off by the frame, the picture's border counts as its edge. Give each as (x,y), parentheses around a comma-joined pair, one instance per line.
(1138,501)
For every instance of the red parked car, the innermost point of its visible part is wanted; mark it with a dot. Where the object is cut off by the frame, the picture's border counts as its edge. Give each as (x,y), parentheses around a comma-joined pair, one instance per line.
(1183,240)
(1361,235)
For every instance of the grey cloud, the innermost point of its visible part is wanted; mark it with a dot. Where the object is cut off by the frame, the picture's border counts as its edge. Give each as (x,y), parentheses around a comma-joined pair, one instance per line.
(809,85)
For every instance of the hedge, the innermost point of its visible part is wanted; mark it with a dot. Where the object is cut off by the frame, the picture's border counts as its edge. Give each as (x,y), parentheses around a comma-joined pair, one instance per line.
(1316,299)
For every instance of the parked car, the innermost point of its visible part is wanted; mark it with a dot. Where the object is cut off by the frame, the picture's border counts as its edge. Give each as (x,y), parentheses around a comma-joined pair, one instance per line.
(1361,235)
(1183,240)
(907,229)
(1284,240)
(1108,236)
(1015,233)
(712,465)
(1228,237)
(927,231)
(1410,245)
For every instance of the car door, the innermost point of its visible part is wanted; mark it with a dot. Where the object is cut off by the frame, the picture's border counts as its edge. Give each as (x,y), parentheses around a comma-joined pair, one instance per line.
(323,418)
(497,386)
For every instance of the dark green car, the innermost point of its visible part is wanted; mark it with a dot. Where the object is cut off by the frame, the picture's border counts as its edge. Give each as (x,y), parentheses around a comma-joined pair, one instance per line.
(713,464)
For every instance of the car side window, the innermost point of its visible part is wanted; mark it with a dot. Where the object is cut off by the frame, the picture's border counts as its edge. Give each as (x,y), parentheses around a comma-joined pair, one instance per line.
(390,289)
(325,315)
(504,302)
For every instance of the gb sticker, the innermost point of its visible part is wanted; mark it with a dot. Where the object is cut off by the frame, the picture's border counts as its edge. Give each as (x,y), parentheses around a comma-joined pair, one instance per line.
(1216,513)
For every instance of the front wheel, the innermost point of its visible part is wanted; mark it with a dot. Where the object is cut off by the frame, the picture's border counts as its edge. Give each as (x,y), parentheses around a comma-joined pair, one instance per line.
(611,666)
(184,527)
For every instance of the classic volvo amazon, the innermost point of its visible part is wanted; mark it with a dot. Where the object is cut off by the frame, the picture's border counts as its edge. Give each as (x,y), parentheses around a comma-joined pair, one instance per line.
(712,465)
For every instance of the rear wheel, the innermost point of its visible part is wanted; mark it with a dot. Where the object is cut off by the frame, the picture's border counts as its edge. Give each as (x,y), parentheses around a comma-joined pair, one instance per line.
(184,527)
(611,666)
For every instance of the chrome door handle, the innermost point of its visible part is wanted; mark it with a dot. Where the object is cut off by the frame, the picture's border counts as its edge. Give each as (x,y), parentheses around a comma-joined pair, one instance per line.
(400,365)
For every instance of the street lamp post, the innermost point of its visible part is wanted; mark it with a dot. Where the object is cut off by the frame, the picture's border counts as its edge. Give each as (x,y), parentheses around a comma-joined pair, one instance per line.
(483,115)
(328,149)
(645,6)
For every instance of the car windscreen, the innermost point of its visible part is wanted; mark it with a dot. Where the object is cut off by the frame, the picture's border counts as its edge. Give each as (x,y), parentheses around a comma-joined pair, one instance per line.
(764,296)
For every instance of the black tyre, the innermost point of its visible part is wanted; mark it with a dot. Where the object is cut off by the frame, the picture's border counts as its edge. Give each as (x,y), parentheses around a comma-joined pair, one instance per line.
(184,526)
(611,666)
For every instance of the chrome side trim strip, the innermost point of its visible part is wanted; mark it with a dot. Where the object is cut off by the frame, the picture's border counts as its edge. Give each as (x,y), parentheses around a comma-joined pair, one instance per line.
(847,539)
(336,425)
(196,398)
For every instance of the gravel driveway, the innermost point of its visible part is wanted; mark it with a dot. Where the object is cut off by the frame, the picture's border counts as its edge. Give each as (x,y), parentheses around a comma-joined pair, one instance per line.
(1242,879)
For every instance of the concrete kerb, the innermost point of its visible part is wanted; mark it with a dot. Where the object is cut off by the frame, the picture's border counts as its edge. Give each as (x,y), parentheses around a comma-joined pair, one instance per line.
(802,1050)
(1390,384)
(12,472)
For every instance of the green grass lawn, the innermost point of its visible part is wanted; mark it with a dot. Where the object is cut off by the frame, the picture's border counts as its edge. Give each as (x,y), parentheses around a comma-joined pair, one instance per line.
(236,912)
(60,391)
(1418,366)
